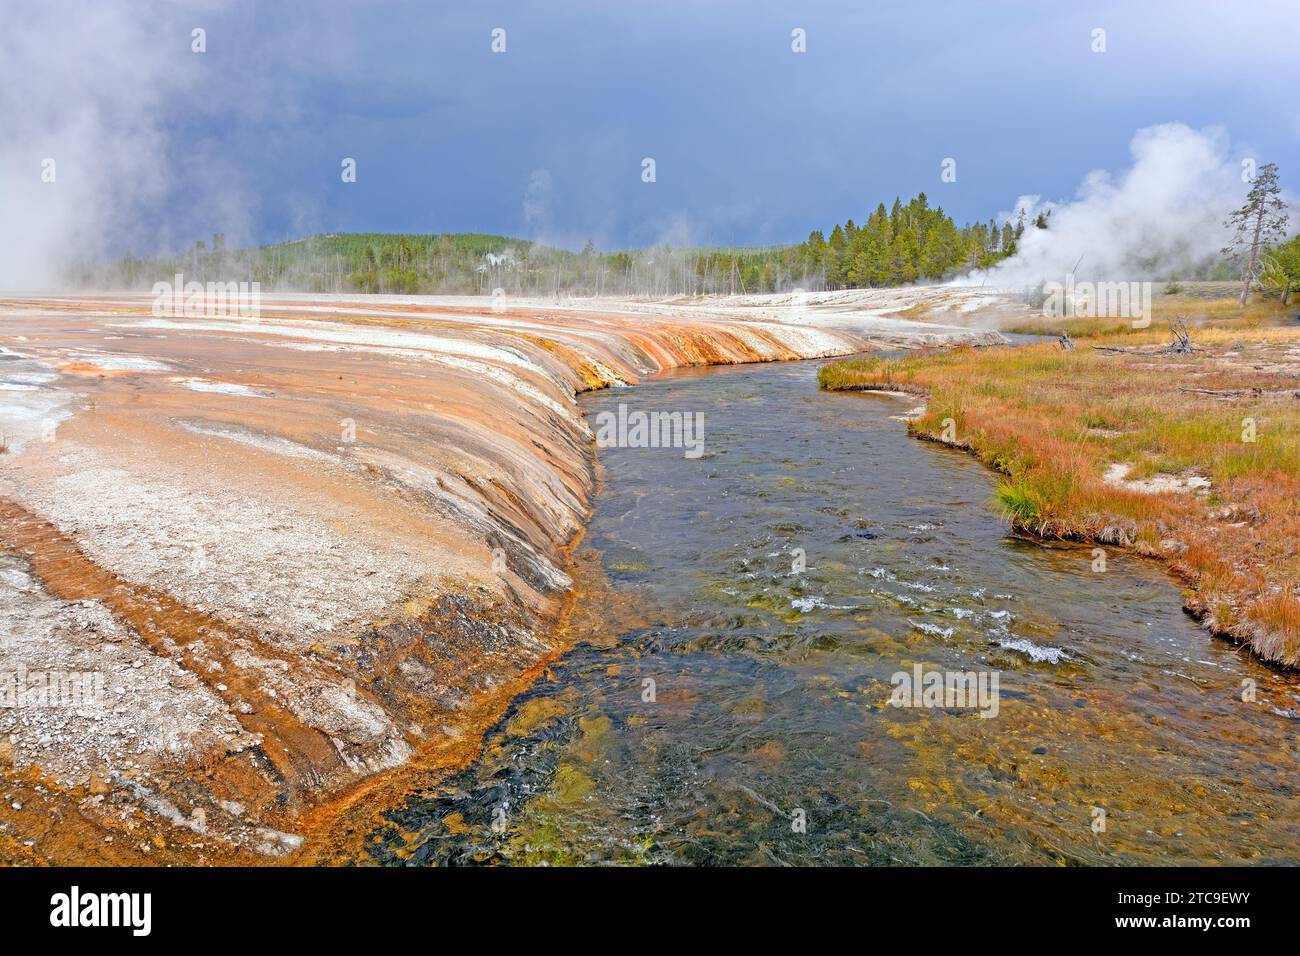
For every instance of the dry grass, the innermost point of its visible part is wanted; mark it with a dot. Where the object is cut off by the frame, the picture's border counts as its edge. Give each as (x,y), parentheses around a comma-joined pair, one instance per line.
(1217,309)
(1053,422)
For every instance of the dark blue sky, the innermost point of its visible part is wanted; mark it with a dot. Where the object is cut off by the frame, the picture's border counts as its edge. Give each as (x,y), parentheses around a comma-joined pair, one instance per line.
(753,143)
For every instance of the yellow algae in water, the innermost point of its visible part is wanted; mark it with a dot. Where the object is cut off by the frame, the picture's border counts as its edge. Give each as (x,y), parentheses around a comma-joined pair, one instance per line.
(753,707)
(455,823)
(571,785)
(595,738)
(628,565)
(545,833)
(879,641)
(778,604)
(536,713)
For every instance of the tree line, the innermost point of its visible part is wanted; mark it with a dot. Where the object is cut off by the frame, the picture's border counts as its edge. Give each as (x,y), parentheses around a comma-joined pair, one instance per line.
(907,243)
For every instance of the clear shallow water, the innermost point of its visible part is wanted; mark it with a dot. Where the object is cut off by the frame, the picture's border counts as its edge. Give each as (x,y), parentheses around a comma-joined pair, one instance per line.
(771,686)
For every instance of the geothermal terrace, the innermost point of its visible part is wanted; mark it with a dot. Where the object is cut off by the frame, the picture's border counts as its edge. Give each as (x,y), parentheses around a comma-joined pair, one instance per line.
(304,550)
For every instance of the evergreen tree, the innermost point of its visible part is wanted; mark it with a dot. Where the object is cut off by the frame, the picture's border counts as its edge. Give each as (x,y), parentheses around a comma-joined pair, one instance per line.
(906,243)
(902,266)
(1259,223)
(835,255)
(1280,274)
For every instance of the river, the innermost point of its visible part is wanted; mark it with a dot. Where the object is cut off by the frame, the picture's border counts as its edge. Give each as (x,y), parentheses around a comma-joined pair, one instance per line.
(747,612)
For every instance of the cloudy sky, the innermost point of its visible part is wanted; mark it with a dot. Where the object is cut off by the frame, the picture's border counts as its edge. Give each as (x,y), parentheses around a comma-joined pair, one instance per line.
(753,143)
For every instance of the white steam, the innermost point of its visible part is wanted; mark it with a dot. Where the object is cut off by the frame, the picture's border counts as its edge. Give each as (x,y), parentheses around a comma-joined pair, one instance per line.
(87,93)
(1162,217)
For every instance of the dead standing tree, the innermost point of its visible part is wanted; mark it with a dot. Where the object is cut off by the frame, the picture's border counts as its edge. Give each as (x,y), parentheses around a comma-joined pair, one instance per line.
(1259,223)
(1182,338)
(1180,344)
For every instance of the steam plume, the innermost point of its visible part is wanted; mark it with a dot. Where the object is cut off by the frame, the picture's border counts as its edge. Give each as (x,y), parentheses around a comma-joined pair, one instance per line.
(1159,218)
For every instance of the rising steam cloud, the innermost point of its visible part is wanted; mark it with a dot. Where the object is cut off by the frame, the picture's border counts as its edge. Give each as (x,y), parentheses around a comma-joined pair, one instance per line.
(87,170)
(1161,217)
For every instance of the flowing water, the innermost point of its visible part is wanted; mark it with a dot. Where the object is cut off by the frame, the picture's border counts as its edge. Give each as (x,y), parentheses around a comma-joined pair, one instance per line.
(732,702)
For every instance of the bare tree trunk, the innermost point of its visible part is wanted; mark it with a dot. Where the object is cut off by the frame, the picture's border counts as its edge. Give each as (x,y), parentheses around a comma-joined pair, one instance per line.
(1254,255)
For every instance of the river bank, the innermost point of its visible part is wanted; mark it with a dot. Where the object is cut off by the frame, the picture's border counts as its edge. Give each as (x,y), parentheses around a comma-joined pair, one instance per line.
(753,610)
(1190,458)
(302,552)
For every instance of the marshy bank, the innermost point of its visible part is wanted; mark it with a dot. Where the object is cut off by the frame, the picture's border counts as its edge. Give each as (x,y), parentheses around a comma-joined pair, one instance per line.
(747,614)
(1190,458)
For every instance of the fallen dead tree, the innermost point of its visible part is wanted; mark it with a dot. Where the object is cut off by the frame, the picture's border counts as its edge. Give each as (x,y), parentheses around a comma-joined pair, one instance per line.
(1181,344)
(1240,392)
(1222,392)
